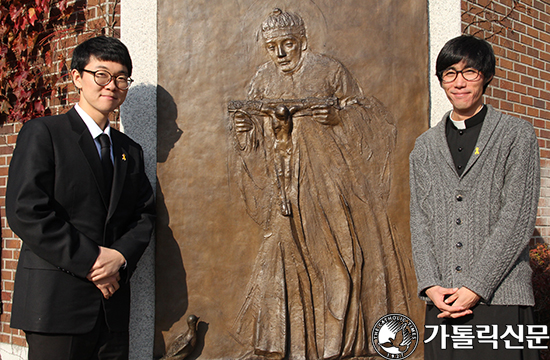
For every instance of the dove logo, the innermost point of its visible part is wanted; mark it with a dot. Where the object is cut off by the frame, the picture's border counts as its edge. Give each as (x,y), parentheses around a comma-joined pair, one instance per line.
(394,336)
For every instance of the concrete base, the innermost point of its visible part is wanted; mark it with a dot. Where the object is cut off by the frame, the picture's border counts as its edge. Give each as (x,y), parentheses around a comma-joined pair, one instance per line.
(13,352)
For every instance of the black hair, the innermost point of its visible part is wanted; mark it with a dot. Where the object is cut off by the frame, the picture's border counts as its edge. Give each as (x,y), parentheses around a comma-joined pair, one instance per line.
(476,52)
(103,48)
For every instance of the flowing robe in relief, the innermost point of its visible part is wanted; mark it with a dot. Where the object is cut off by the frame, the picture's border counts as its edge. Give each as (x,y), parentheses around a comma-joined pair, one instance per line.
(328,272)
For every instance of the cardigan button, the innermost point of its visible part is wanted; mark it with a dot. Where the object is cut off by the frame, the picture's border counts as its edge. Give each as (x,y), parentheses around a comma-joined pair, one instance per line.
(459,197)
(458,221)
(458,268)
(459,245)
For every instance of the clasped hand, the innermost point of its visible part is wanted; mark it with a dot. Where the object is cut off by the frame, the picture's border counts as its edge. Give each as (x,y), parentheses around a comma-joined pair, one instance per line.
(105,271)
(243,122)
(325,115)
(453,302)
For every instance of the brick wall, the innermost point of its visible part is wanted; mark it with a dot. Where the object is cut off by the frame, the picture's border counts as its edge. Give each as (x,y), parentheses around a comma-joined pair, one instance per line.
(10,243)
(520,34)
(518,30)
(92,18)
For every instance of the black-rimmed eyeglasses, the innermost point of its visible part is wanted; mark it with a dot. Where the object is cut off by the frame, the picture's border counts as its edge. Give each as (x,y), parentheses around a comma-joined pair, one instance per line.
(468,75)
(103,78)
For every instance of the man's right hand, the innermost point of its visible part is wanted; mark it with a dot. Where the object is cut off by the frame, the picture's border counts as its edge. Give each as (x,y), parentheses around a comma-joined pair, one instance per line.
(243,123)
(108,286)
(438,295)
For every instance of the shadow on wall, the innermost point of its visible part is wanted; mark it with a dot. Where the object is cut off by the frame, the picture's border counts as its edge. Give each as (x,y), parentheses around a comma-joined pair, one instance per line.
(170,275)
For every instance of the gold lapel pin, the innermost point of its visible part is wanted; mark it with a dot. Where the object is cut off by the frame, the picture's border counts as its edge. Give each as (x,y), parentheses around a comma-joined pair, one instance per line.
(123,157)
(477,150)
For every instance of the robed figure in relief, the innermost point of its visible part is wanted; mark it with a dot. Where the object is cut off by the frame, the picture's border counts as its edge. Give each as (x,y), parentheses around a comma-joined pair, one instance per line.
(313,163)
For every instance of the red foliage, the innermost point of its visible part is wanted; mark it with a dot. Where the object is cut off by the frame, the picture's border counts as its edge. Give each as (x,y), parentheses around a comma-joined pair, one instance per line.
(26,30)
(540,263)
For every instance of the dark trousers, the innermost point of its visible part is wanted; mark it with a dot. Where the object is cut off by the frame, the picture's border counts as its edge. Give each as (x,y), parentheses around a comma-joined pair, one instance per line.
(497,317)
(98,344)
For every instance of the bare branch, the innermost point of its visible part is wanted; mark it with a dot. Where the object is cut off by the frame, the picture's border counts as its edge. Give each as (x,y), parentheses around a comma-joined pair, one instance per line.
(481,19)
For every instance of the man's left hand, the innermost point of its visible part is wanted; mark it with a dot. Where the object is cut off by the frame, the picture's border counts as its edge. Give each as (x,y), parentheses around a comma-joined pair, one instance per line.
(325,115)
(107,264)
(464,298)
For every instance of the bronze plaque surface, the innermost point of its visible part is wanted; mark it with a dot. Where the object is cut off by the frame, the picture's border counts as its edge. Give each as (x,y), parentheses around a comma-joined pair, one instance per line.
(283,142)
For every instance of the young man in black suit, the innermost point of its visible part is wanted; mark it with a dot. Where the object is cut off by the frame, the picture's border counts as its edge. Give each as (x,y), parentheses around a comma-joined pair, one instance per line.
(79,199)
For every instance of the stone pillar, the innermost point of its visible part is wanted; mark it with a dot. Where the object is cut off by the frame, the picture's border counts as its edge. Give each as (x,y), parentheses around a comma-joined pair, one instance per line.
(139,121)
(444,24)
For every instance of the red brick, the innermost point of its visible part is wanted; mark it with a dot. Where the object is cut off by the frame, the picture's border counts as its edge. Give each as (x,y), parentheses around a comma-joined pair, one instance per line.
(513,35)
(512,76)
(520,68)
(520,48)
(522,89)
(526,100)
(520,109)
(527,20)
(7,275)
(7,254)
(539,123)
(6,296)
(526,80)
(538,84)
(533,72)
(7,307)
(534,113)
(9,264)
(539,103)
(497,93)
(19,341)
(506,106)
(493,102)
(13,244)
(506,85)
(513,97)
(8,286)
(537,4)
(506,64)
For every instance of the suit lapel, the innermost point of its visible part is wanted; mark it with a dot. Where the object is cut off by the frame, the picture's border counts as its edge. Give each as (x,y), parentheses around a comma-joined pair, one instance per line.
(120,168)
(89,150)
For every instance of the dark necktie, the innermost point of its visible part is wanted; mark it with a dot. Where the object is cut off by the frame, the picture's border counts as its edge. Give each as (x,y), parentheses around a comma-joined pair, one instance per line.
(106,161)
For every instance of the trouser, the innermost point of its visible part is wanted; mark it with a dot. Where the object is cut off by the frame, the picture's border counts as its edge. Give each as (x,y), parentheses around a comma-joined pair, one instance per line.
(98,344)
(491,332)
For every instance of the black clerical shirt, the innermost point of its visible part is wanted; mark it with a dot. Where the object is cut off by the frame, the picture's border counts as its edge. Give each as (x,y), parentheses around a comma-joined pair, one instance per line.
(462,142)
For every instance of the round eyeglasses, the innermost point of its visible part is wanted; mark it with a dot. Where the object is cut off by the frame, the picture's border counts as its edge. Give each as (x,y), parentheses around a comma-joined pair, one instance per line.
(468,75)
(103,78)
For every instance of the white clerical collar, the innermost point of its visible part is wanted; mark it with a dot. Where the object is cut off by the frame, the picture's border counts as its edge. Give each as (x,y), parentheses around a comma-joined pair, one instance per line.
(93,127)
(459,124)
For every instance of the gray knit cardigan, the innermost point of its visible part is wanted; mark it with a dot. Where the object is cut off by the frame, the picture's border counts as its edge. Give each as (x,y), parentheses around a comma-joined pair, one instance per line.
(473,230)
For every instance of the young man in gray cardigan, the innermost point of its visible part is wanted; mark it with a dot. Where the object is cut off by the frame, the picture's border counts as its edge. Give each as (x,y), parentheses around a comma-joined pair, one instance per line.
(474,180)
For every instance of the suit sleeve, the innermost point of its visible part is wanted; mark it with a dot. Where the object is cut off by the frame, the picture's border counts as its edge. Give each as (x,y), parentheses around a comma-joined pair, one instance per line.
(32,211)
(134,239)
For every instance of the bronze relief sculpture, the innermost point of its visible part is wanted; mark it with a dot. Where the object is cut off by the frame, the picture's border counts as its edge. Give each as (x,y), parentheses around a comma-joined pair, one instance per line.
(314,158)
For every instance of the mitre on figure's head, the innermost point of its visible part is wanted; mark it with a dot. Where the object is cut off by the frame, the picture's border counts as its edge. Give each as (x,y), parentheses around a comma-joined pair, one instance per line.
(283,23)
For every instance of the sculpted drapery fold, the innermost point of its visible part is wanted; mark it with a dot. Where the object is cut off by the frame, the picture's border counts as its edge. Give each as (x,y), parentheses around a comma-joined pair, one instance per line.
(328,267)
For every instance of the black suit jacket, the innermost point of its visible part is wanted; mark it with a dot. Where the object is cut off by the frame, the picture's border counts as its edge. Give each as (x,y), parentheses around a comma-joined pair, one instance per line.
(56,203)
